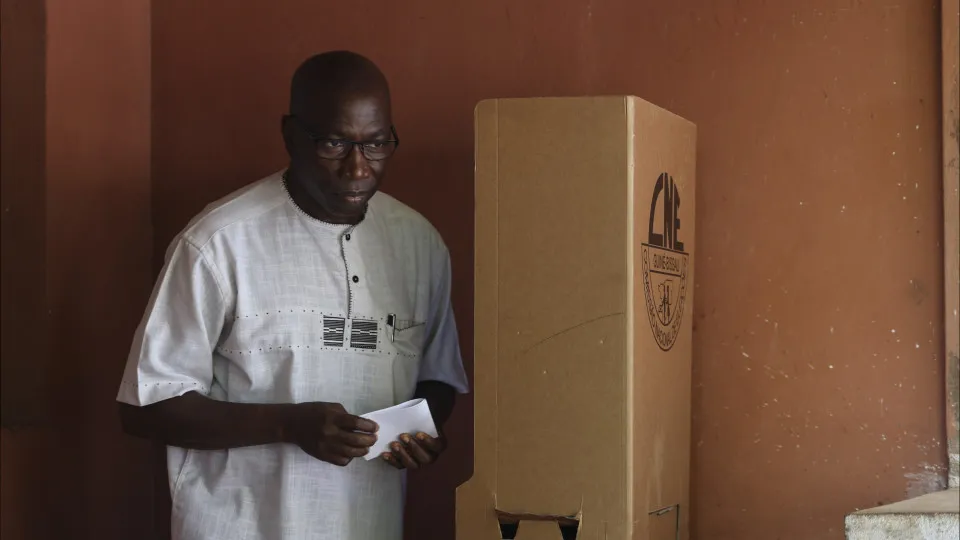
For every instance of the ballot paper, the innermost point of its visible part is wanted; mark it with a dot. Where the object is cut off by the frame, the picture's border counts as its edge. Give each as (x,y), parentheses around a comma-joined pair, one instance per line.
(410,417)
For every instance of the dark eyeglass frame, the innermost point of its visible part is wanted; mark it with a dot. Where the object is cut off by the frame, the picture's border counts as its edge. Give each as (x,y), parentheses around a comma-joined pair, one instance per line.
(361,145)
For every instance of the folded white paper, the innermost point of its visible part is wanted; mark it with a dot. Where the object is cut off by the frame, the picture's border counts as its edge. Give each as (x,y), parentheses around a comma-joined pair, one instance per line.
(411,417)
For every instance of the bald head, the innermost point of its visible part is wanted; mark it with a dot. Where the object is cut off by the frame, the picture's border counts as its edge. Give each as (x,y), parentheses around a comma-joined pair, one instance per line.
(325,80)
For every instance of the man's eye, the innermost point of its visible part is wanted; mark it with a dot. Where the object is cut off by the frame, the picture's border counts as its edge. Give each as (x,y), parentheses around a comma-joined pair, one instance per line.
(375,145)
(332,144)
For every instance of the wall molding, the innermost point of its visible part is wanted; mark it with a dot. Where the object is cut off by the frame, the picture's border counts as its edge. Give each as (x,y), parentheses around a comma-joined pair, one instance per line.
(950,43)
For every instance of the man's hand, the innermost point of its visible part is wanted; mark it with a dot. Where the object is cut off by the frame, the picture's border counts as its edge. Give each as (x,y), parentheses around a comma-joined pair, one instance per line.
(327,432)
(415,452)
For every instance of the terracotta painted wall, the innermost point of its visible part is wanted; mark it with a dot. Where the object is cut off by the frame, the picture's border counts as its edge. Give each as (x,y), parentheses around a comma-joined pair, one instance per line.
(76,264)
(819,368)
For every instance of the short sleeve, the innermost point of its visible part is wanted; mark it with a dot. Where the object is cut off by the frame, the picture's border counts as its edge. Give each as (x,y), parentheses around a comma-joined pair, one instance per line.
(441,354)
(172,351)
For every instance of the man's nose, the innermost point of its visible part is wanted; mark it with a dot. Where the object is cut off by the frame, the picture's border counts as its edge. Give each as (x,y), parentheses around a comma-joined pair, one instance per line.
(357,165)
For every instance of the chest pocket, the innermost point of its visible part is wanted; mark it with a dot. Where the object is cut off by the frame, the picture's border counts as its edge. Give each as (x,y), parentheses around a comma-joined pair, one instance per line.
(406,337)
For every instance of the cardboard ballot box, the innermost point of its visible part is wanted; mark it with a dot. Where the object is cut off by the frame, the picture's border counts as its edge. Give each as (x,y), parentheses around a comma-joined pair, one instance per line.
(585,248)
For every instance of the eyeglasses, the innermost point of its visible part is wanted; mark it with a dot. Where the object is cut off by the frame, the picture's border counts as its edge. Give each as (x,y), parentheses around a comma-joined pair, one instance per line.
(340,148)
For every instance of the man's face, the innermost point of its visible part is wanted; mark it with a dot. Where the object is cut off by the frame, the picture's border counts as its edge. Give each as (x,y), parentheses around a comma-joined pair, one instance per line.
(339,185)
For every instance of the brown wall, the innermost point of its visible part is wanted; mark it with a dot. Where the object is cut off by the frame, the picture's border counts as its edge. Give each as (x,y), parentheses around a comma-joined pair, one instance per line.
(819,227)
(22,132)
(819,370)
(76,192)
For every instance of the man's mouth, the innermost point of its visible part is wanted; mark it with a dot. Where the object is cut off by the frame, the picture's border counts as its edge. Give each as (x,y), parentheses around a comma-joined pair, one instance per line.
(354,196)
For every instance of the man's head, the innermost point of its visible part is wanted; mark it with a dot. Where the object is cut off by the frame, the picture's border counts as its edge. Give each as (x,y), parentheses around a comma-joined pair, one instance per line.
(339,134)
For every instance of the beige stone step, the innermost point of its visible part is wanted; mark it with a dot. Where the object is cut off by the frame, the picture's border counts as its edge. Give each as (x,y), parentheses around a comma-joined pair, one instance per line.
(935,516)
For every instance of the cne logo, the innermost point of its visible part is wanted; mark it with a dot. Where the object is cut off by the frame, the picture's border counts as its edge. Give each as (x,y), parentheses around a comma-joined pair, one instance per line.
(665,264)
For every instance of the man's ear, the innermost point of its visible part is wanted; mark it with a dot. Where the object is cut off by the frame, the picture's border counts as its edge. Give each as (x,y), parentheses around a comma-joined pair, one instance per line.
(288,133)
(286,123)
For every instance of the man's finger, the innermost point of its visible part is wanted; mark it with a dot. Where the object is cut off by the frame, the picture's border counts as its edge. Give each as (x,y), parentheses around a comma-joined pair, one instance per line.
(431,444)
(340,461)
(353,451)
(350,422)
(416,451)
(401,455)
(344,451)
(388,457)
(357,440)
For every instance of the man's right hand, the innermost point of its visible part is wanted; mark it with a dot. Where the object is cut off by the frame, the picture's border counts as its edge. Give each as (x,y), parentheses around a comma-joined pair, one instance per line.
(329,433)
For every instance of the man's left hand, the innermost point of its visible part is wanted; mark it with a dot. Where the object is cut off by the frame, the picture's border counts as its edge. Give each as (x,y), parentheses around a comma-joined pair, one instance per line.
(415,452)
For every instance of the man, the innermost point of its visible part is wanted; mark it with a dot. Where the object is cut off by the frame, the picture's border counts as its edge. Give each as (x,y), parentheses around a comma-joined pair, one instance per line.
(284,311)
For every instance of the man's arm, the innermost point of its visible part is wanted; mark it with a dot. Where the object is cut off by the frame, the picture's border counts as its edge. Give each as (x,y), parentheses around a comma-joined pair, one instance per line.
(323,430)
(440,398)
(197,422)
